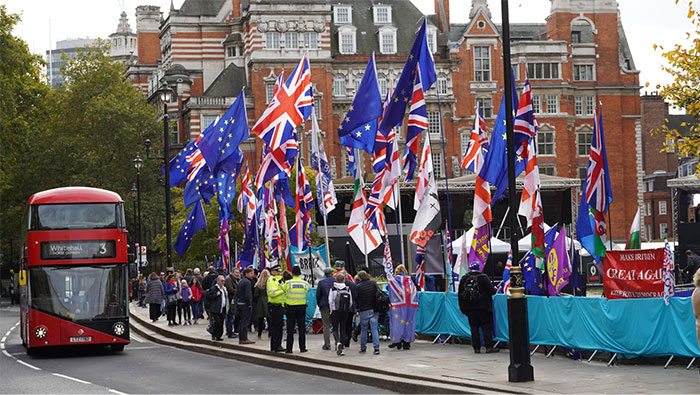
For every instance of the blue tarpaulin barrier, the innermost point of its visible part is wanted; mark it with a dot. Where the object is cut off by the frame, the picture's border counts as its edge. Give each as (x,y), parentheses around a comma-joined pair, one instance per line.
(632,327)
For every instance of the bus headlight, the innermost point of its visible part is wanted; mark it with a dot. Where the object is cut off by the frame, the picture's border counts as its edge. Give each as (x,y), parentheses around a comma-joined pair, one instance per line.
(40,332)
(119,328)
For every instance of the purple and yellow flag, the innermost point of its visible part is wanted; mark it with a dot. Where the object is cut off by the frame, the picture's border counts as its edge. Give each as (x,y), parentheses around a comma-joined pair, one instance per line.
(479,251)
(558,266)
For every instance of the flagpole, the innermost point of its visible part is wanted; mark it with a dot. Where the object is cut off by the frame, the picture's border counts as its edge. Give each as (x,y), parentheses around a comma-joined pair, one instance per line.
(444,163)
(325,227)
(358,168)
(399,220)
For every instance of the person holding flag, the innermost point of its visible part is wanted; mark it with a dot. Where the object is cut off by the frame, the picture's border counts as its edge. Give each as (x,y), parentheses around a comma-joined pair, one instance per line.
(404,308)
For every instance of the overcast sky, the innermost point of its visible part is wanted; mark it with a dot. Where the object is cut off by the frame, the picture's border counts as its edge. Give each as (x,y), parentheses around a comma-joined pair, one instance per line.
(646,22)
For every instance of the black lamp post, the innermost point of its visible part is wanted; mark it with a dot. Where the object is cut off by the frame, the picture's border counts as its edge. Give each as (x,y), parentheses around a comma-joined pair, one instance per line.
(137,164)
(165,94)
(518,331)
(136,232)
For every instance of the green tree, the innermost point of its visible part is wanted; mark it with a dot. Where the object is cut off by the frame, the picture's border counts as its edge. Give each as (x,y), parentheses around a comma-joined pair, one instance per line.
(683,92)
(22,113)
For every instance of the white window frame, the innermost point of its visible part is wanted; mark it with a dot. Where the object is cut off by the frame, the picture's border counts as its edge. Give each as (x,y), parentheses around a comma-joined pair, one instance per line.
(383,83)
(438,166)
(357,79)
(663,208)
(486,104)
(585,145)
(311,40)
(387,37)
(294,38)
(317,107)
(544,70)
(588,70)
(376,11)
(549,170)
(552,104)
(431,38)
(441,85)
(349,32)
(590,105)
(542,145)
(433,122)
(345,11)
(582,170)
(663,230)
(340,87)
(230,52)
(649,210)
(578,105)
(269,89)
(272,38)
(481,73)
(537,104)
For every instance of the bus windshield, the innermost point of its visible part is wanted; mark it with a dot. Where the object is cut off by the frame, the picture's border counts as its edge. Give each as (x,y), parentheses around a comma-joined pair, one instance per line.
(76,216)
(79,292)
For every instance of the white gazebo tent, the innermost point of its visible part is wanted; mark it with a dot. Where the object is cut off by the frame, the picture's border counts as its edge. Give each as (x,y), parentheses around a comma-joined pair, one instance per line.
(497,246)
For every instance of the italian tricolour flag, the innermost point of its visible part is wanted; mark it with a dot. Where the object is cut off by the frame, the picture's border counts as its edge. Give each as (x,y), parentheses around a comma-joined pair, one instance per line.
(633,241)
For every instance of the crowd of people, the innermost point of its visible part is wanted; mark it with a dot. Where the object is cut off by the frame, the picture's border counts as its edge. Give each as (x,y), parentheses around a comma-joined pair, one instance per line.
(234,304)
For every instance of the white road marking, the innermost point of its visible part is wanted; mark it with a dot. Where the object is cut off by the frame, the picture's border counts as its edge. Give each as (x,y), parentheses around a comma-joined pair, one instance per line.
(137,338)
(21,362)
(7,354)
(3,339)
(71,378)
(116,392)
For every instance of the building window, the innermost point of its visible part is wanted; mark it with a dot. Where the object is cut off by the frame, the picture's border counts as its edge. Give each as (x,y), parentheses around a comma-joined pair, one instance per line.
(516,71)
(662,207)
(311,40)
(231,52)
(547,170)
(590,105)
(382,14)
(649,186)
(649,208)
(206,121)
(482,63)
(486,106)
(537,104)
(272,40)
(583,143)
(347,42)
(442,84)
(464,138)
(433,122)
(343,14)
(339,85)
(383,86)
(269,90)
(333,166)
(357,80)
(649,235)
(578,105)
(346,164)
(583,72)
(387,41)
(545,141)
(438,168)
(552,104)
(582,171)
(174,135)
(543,71)
(291,40)
(575,37)
(317,107)
(431,37)
(663,230)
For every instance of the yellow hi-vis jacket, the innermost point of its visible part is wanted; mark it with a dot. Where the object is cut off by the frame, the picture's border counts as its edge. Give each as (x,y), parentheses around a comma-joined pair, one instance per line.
(275,293)
(295,291)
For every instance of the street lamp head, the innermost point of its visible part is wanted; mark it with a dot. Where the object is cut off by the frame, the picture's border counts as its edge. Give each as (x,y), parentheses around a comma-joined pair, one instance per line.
(165,93)
(133,189)
(137,162)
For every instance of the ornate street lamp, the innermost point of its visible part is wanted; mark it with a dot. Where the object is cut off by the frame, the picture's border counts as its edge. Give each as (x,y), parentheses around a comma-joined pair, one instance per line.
(137,164)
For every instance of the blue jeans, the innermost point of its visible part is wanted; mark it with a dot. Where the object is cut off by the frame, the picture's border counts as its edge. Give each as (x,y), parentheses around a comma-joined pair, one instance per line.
(196,309)
(229,324)
(369,316)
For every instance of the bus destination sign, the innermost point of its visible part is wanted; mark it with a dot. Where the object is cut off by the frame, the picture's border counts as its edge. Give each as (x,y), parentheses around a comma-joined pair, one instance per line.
(86,249)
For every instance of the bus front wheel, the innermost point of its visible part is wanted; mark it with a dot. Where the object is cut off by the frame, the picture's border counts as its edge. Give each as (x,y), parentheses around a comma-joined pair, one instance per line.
(117,347)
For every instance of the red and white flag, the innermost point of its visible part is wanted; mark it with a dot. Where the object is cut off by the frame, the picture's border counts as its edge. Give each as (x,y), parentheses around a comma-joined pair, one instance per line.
(366,239)
(424,171)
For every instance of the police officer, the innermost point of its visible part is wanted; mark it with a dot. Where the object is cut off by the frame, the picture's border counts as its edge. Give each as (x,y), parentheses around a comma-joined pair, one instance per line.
(295,291)
(275,298)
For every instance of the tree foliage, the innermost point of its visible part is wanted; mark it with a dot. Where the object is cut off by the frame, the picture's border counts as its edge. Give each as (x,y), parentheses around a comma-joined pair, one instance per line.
(684,91)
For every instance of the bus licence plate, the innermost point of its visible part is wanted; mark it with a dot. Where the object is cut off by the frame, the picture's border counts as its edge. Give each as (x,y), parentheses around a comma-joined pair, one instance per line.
(81,339)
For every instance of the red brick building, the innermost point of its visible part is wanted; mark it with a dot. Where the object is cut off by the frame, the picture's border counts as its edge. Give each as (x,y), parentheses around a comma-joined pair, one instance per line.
(209,51)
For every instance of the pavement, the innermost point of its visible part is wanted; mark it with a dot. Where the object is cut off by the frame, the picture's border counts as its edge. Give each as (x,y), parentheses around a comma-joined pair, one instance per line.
(428,367)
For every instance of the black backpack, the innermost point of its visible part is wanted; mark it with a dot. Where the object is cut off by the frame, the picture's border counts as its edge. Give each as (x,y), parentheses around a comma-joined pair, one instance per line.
(343,299)
(470,291)
(381,303)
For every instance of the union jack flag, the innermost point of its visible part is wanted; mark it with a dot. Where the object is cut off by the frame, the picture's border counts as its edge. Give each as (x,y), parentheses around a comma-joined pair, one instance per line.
(420,266)
(388,264)
(417,122)
(276,162)
(505,287)
(524,125)
(474,156)
(424,171)
(373,212)
(383,139)
(597,186)
(668,277)
(290,106)
(246,199)
(404,290)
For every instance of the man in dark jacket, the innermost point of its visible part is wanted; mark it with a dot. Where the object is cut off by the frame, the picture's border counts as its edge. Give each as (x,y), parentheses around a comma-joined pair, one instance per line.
(231,284)
(366,300)
(692,264)
(323,288)
(353,308)
(475,291)
(217,299)
(244,299)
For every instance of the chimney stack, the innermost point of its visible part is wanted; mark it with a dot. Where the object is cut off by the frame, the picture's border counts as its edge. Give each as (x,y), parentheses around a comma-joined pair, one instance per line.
(442,9)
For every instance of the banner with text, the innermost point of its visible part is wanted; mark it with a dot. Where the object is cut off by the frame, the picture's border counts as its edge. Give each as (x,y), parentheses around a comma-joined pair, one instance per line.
(634,274)
(311,265)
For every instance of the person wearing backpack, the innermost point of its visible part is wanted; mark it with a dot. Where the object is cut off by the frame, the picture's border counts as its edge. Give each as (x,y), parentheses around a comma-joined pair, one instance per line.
(475,291)
(340,302)
(366,300)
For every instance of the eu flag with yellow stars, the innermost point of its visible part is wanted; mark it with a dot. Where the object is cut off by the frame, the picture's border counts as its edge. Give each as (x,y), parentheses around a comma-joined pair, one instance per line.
(225,194)
(203,186)
(223,141)
(358,129)
(195,222)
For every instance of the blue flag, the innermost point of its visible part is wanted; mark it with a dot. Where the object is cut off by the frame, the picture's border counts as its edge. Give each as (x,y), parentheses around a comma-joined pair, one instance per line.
(201,187)
(179,165)
(421,58)
(584,225)
(495,168)
(195,222)
(359,126)
(282,192)
(225,193)
(531,273)
(223,141)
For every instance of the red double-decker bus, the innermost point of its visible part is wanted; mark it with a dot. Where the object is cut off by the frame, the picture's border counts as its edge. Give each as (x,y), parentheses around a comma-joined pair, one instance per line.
(74,270)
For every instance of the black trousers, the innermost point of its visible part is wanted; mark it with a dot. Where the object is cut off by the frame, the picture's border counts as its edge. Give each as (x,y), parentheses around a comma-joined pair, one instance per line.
(170,311)
(339,319)
(348,330)
(276,322)
(154,310)
(244,313)
(296,317)
(481,319)
(217,325)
